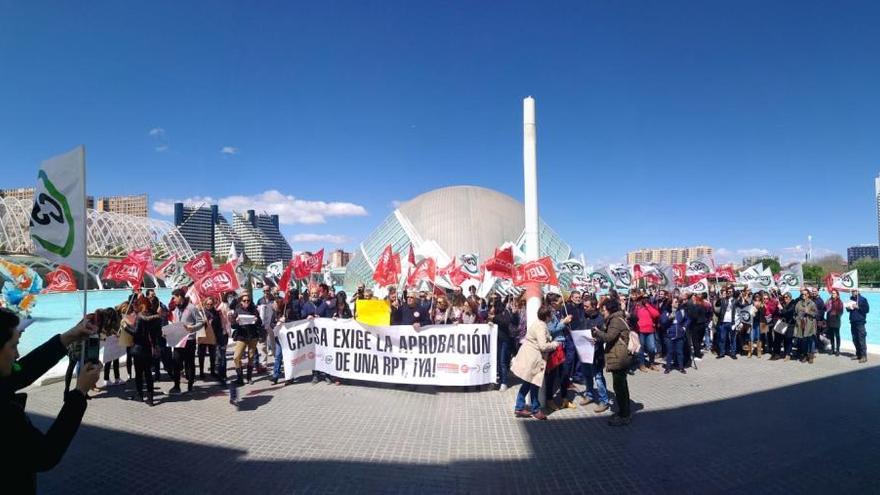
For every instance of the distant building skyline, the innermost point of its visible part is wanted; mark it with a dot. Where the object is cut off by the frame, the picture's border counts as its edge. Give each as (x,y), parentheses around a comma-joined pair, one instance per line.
(863,251)
(753,260)
(668,256)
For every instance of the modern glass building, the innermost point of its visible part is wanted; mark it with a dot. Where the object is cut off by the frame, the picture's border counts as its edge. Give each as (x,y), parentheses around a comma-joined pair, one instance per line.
(447,222)
(261,237)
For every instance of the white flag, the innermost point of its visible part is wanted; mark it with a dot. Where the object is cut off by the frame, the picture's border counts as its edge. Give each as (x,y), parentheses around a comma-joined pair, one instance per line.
(764,281)
(847,282)
(750,274)
(59,213)
(697,287)
(791,278)
(701,267)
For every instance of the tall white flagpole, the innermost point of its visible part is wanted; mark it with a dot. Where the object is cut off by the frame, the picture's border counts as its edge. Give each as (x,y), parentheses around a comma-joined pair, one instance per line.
(85,234)
(530,176)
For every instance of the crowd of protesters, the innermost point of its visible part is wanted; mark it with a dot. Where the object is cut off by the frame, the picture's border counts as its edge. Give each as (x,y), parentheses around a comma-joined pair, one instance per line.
(674,331)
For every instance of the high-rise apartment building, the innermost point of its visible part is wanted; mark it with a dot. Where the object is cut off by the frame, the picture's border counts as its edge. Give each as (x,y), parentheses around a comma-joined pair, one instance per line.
(128,205)
(26,194)
(339,258)
(753,260)
(855,253)
(196,224)
(668,256)
(262,239)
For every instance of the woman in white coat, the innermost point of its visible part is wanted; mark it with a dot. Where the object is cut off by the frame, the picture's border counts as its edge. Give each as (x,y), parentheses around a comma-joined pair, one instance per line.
(530,363)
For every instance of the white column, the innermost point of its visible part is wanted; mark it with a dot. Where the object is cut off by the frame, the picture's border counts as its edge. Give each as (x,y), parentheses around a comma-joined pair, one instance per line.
(530,176)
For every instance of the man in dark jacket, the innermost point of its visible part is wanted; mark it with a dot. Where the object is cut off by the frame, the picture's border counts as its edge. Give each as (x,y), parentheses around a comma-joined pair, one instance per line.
(858,315)
(410,314)
(503,319)
(28,449)
(596,389)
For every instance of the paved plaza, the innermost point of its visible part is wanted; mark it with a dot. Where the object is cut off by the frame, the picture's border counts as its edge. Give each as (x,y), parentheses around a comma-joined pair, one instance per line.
(730,427)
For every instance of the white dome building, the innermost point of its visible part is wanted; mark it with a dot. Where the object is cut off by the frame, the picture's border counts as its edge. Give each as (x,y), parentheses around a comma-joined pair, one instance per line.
(447,222)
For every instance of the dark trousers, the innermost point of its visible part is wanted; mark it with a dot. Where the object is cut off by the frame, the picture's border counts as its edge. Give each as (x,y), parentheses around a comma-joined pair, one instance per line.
(621,392)
(696,333)
(129,362)
(185,362)
(675,353)
(858,336)
(165,360)
(211,352)
(505,345)
(834,336)
(143,364)
(115,364)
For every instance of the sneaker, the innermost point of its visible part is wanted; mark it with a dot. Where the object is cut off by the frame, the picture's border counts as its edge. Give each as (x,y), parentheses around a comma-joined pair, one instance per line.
(586,401)
(733,356)
(618,421)
(274,380)
(522,413)
(682,371)
(503,387)
(720,356)
(174,390)
(540,416)
(698,358)
(601,408)
(666,371)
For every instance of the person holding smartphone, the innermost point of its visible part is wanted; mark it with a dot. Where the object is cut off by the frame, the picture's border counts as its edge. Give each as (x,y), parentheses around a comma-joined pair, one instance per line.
(35,451)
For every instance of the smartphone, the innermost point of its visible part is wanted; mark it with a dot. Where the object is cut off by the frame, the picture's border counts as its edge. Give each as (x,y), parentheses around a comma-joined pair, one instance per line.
(93,349)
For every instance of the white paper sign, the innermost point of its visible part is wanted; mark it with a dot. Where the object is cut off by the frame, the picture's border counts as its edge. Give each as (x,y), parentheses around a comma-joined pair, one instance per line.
(112,349)
(585,345)
(175,334)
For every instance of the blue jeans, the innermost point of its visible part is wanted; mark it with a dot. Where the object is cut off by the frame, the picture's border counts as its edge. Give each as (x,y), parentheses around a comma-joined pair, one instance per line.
(675,353)
(505,346)
(807,346)
(647,344)
(528,388)
(725,331)
(221,361)
(279,360)
(593,374)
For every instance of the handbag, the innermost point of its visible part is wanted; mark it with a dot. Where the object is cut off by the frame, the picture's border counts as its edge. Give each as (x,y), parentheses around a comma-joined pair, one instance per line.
(633,346)
(206,335)
(780,327)
(556,359)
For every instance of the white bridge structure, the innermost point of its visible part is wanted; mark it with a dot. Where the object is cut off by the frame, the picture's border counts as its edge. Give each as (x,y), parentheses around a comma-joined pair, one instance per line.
(110,235)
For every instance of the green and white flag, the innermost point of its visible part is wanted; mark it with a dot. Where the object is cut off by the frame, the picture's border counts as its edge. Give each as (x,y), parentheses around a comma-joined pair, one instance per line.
(846,282)
(791,278)
(764,281)
(59,213)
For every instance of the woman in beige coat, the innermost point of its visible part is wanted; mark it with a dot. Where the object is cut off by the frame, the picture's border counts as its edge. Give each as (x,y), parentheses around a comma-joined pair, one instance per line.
(530,363)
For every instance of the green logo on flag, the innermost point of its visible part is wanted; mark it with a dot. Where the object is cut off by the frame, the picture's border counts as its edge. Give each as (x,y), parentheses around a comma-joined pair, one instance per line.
(49,208)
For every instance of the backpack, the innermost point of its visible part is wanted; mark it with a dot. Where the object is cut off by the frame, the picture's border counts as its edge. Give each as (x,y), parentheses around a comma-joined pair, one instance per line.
(633,346)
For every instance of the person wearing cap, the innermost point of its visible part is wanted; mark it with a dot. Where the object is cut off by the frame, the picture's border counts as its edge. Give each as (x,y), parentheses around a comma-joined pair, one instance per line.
(858,314)
(28,449)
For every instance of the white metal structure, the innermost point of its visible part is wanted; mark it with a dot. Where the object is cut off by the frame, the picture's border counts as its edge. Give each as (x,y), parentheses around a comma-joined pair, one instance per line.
(109,234)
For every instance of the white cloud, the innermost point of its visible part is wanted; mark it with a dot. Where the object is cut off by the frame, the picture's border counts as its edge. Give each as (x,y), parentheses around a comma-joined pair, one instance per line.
(724,255)
(229,150)
(290,210)
(753,252)
(328,238)
(165,207)
(157,132)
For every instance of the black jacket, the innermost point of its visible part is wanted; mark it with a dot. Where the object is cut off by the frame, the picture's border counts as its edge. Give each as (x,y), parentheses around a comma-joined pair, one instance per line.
(29,450)
(405,315)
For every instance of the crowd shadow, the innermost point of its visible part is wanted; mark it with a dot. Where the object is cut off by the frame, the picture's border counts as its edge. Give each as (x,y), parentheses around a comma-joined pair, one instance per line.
(819,436)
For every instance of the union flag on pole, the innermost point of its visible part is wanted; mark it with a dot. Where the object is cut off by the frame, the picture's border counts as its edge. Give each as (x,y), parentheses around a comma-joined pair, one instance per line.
(725,272)
(424,270)
(218,281)
(536,272)
(680,271)
(312,264)
(501,265)
(167,268)
(126,271)
(284,280)
(197,267)
(60,280)
(144,256)
(387,268)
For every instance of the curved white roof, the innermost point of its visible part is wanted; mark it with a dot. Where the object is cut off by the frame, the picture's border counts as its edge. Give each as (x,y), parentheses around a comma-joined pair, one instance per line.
(466,219)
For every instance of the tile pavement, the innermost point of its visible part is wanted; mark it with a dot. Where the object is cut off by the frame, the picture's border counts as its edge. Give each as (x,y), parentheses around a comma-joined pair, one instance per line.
(729,427)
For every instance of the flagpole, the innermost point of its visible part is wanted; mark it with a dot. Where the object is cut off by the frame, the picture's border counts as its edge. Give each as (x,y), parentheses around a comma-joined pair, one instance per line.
(85,234)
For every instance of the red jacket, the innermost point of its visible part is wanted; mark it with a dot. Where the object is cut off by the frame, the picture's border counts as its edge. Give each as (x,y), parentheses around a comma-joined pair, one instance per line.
(647,316)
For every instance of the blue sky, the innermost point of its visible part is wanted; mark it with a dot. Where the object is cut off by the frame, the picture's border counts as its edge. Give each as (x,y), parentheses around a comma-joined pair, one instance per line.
(743,125)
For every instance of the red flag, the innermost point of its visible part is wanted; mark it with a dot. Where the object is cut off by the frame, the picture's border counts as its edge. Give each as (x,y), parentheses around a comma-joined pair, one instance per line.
(218,281)
(829,280)
(284,281)
(501,265)
(126,271)
(447,270)
(312,264)
(725,272)
(412,256)
(425,269)
(197,267)
(144,256)
(167,268)
(387,267)
(536,272)
(680,270)
(60,280)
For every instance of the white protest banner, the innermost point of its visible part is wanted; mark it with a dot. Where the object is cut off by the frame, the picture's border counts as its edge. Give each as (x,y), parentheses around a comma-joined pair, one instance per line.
(446,355)
(846,282)
(58,216)
(585,345)
(112,350)
(174,334)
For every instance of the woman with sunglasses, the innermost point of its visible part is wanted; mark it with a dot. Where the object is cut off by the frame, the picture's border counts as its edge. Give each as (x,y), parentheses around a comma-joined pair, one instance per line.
(246,325)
